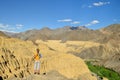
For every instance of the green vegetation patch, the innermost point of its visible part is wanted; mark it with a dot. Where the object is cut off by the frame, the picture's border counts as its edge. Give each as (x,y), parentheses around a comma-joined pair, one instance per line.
(103,72)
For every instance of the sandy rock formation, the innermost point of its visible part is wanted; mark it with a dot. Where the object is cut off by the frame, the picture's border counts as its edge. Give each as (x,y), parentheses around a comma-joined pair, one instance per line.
(15,60)
(105,54)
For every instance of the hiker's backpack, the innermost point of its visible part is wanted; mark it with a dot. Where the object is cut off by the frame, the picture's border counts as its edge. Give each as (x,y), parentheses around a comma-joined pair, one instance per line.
(40,55)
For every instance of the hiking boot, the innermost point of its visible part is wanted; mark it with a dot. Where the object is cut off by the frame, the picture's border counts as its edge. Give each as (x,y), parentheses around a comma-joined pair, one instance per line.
(34,72)
(44,73)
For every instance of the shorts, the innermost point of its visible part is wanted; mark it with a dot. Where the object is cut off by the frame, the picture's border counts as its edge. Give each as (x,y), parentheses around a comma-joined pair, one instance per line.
(37,65)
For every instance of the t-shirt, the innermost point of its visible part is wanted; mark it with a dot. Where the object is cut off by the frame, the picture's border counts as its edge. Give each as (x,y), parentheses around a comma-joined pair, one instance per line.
(36,56)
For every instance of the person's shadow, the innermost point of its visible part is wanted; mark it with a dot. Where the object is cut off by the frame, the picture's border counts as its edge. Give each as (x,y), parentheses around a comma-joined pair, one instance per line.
(1,78)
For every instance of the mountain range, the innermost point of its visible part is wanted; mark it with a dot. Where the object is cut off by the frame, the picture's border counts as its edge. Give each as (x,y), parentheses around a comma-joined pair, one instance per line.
(80,33)
(64,34)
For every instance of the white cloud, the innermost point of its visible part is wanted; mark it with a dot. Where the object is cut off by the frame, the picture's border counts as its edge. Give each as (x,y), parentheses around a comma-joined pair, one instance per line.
(100,3)
(93,23)
(69,20)
(4,26)
(75,22)
(19,26)
(65,20)
(10,28)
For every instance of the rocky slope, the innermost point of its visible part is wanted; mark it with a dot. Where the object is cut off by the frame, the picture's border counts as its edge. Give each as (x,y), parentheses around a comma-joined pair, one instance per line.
(3,34)
(111,32)
(113,42)
(102,54)
(16,63)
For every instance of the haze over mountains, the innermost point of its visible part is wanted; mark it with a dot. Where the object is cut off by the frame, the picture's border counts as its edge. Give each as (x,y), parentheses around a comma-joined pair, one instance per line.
(80,33)
(64,34)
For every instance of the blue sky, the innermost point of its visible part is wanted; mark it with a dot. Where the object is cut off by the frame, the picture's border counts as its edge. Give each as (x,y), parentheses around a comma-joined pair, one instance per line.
(22,15)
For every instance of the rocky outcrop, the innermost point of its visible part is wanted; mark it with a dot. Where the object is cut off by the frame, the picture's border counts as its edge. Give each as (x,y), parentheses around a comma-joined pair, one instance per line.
(16,63)
(105,54)
(13,66)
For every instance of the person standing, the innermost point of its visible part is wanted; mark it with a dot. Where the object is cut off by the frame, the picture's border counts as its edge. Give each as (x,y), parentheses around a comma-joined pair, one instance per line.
(37,56)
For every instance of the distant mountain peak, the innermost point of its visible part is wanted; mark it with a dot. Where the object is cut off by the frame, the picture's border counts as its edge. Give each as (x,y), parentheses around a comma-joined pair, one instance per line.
(66,27)
(45,28)
(78,28)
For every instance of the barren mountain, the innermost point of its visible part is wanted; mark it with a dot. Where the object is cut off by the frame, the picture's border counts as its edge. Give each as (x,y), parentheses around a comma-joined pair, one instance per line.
(111,32)
(2,34)
(66,33)
(79,33)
